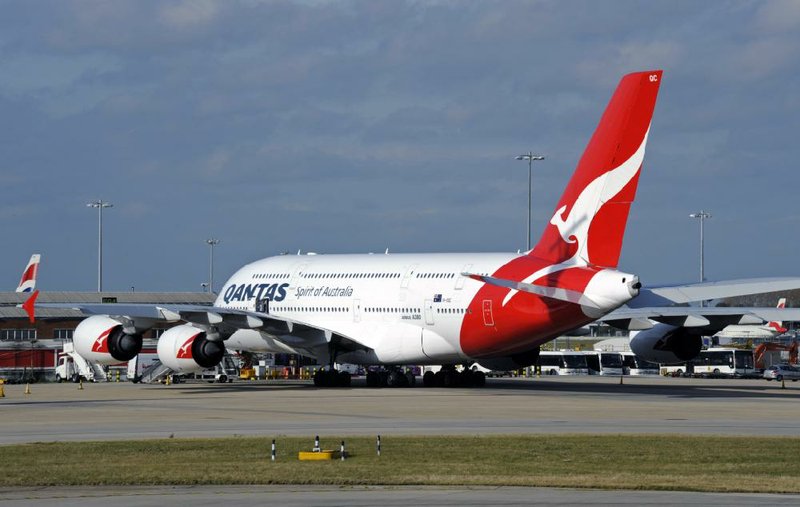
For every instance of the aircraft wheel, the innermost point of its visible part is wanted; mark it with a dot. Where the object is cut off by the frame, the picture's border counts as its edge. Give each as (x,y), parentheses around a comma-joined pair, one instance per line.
(372,379)
(478,379)
(449,379)
(396,378)
(343,379)
(429,379)
(411,380)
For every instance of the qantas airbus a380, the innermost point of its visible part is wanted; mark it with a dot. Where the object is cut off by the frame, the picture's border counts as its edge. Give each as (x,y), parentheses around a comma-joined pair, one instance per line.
(496,309)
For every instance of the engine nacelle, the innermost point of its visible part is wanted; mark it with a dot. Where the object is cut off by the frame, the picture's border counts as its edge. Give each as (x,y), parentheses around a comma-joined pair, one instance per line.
(186,348)
(102,339)
(510,363)
(666,344)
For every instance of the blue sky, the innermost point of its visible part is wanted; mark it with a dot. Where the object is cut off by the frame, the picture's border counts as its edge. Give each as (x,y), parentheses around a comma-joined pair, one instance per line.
(356,126)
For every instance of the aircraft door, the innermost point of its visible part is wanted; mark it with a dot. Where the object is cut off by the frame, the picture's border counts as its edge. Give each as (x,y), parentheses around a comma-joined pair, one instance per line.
(407,276)
(356,310)
(488,316)
(429,312)
(295,280)
(461,279)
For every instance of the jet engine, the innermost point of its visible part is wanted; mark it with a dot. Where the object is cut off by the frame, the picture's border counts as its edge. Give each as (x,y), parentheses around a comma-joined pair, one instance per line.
(513,362)
(102,339)
(186,348)
(666,344)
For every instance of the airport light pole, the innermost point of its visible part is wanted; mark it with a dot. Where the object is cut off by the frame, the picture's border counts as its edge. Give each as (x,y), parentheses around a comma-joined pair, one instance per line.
(702,215)
(99,204)
(211,243)
(530,157)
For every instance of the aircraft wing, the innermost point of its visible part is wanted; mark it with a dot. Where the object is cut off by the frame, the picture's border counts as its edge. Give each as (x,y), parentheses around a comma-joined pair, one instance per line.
(658,304)
(713,318)
(679,294)
(291,332)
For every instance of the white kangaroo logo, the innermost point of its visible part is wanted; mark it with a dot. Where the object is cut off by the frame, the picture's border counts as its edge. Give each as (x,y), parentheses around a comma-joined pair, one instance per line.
(185,351)
(575,227)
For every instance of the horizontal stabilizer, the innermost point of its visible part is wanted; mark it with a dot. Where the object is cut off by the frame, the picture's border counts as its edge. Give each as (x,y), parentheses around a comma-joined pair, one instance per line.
(558,293)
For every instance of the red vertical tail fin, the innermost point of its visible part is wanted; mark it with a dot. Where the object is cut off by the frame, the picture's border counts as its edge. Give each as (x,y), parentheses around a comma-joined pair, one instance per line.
(589,221)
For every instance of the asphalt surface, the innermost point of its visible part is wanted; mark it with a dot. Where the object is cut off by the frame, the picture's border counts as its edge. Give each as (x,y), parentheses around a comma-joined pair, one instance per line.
(59,412)
(329,496)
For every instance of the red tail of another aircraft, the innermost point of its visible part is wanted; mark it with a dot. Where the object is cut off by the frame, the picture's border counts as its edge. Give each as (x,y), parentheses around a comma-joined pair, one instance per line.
(589,222)
(28,281)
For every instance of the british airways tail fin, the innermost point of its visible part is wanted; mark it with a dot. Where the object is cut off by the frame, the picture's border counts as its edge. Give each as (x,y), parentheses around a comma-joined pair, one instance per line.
(28,281)
(589,222)
(777,325)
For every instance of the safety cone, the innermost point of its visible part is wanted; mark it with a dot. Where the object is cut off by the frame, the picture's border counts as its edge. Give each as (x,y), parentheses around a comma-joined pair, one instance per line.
(620,380)
(80,384)
(27,388)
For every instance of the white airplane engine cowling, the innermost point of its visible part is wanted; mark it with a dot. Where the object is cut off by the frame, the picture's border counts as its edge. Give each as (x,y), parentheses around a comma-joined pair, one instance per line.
(666,344)
(101,339)
(186,348)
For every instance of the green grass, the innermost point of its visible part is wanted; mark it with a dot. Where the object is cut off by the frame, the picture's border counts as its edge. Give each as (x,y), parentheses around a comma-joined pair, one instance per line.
(652,462)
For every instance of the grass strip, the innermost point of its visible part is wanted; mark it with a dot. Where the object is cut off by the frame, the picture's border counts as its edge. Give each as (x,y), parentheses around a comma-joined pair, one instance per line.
(646,462)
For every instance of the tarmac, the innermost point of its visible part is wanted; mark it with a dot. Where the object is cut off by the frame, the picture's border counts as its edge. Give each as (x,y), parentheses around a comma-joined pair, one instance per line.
(547,405)
(334,496)
(111,411)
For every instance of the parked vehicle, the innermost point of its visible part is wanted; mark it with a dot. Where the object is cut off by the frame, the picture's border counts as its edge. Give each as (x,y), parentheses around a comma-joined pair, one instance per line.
(724,361)
(562,363)
(635,365)
(604,363)
(73,367)
(781,372)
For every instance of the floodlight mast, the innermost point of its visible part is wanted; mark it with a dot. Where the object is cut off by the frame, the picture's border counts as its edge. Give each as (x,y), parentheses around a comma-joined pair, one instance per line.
(530,157)
(99,204)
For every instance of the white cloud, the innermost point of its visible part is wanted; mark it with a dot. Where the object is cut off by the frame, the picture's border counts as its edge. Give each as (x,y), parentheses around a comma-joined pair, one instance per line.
(778,16)
(185,14)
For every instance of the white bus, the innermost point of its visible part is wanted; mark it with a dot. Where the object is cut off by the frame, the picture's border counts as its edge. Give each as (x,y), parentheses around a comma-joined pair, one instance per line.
(562,363)
(724,361)
(635,365)
(604,363)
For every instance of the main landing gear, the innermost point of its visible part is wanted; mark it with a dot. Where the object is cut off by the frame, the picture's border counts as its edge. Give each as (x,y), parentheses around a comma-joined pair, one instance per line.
(331,378)
(448,376)
(394,377)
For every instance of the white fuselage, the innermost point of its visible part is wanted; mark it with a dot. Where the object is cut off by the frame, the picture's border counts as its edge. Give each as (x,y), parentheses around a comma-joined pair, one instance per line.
(406,307)
(752,331)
